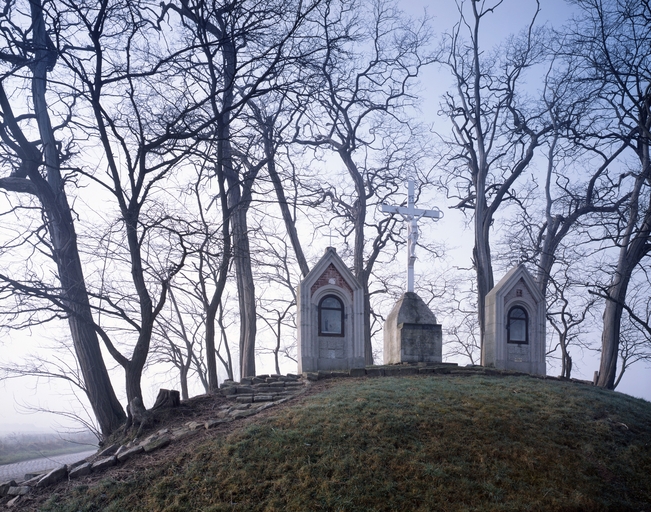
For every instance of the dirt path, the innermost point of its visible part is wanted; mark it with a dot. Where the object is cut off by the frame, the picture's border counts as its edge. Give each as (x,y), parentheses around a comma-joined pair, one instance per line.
(17,470)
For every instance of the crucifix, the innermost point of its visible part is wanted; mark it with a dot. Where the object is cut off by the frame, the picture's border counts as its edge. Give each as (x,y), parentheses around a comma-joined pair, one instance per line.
(411,214)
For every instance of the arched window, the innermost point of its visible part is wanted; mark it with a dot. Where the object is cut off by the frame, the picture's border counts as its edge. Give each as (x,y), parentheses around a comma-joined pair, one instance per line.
(518,326)
(331,316)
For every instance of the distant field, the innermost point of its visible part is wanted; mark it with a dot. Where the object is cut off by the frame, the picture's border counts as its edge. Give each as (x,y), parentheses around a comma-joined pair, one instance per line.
(17,448)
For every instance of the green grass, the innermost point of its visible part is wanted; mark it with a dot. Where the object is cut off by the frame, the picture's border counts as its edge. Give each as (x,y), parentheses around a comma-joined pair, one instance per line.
(412,443)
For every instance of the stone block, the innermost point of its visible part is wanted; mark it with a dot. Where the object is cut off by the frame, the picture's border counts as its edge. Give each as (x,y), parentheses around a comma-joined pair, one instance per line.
(73,465)
(392,371)
(338,375)
(258,380)
(442,370)
(292,376)
(19,490)
(411,332)
(243,414)
(194,425)
(409,370)
(311,376)
(244,390)
(4,487)
(270,380)
(374,372)
(244,399)
(156,444)
(279,384)
(258,387)
(53,477)
(357,372)
(293,384)
(264,406)
(426,371)
(247,380)
(32,478)
(127,454)
(110,450)
(324,375)
(213,423)
(182,433)
(263,398)
(102,464)
(81,470)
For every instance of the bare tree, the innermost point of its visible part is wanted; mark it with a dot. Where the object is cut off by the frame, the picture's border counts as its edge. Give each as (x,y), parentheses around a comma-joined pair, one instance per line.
(136,114)
(179,344)
(569,307)
(37,159)
(496,127)
(275,269)
(611,40)
(244,46)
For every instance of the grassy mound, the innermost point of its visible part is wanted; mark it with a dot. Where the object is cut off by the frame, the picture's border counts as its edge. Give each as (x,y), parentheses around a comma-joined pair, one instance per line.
(412,443)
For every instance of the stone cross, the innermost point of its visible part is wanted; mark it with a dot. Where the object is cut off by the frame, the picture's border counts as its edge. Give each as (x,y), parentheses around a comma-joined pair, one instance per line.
(411,214)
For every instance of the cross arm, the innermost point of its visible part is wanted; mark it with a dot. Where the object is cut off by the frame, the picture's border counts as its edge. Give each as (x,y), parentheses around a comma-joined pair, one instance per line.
(412,212)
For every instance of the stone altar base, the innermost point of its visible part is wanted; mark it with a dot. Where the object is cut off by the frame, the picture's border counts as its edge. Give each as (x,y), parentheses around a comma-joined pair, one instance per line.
(411,333)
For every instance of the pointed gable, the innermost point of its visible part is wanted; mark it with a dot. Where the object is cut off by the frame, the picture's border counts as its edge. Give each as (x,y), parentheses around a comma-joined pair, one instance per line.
(331,271)
(331,276)
(518,278)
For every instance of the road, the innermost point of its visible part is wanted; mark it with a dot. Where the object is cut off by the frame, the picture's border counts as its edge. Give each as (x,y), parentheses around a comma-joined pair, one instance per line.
(17,470)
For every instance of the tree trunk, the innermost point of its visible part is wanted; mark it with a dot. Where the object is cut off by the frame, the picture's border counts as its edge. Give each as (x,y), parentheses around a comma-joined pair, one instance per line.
(634,247)
(108,411)
(483,268)
(215,301)
(246,293)
(361,273)
(290,224)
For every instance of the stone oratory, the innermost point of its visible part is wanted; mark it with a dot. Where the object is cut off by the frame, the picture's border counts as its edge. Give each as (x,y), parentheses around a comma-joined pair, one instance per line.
(515,324)
(330,317)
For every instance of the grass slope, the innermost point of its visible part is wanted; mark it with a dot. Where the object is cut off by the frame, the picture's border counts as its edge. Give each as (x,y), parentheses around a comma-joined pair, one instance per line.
(412,443)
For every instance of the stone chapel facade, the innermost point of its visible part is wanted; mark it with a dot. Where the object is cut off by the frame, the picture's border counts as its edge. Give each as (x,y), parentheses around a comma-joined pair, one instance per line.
(330,317)
(515,324)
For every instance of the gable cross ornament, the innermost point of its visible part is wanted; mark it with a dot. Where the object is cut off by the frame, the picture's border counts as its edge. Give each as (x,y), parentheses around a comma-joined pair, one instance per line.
(411,214)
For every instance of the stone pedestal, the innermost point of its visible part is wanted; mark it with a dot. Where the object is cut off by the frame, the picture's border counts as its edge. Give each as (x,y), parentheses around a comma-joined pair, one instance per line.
(411,333)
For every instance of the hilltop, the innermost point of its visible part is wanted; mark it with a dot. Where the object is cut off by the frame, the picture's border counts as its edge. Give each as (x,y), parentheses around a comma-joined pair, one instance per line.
(440,442)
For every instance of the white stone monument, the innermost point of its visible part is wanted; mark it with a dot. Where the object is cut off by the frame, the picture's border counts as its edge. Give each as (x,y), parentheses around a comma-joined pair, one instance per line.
(330,317)
(411,332)
(515,324)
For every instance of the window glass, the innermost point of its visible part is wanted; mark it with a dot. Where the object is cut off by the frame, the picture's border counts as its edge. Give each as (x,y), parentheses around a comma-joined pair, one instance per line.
(517,325)
(331,316)
(331,303)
